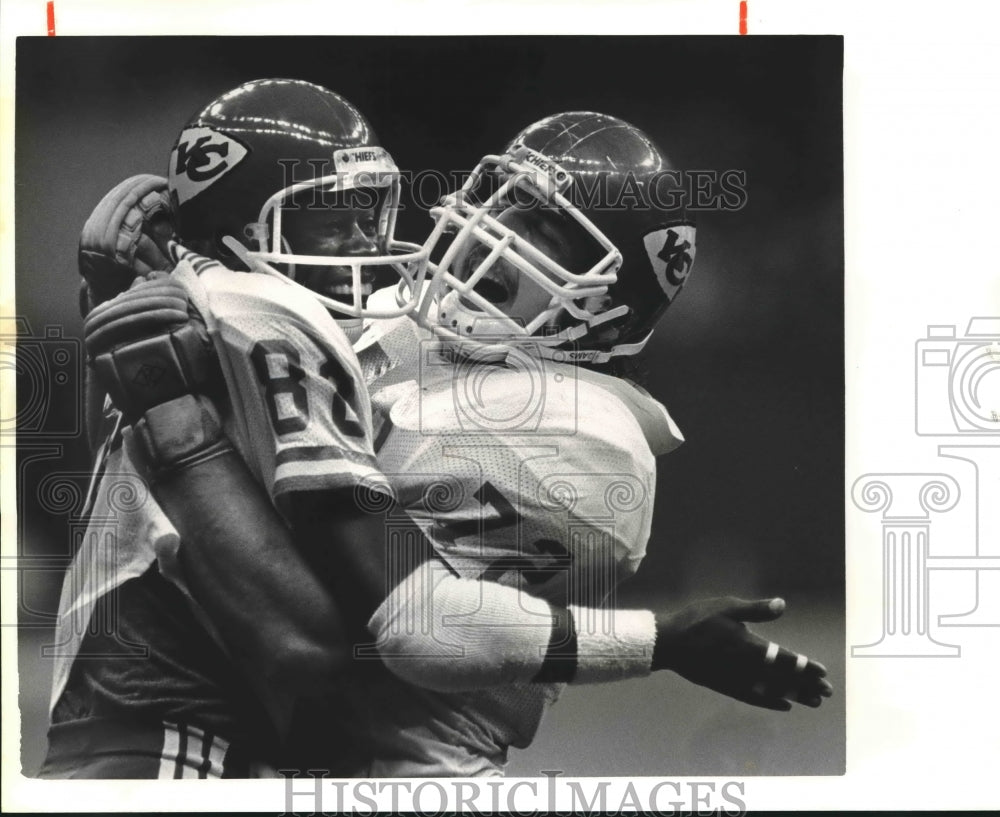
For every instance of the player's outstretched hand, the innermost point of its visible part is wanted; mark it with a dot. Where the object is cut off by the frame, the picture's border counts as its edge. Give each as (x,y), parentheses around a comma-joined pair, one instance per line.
(708,643)
(124,237)
(150,345)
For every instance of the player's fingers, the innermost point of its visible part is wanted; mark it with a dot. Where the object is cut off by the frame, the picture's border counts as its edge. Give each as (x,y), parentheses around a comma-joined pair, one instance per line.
(161,229)
(787,674)
(148,252)
(806,689)
(818,686)
(815,668)
(800,663)
(786,663)
(756,611)
(141,268)
(759,696)
(809,697)
(771,692)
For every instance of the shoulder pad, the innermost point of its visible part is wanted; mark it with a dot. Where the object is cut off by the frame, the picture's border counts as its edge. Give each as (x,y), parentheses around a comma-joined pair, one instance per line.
(661,432)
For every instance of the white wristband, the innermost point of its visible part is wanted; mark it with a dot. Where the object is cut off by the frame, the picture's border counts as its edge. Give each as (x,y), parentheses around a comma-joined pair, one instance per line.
(613,644)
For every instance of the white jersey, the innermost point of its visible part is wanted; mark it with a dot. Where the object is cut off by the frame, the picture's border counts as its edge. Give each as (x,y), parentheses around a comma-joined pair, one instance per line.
(530,473)
(299,416)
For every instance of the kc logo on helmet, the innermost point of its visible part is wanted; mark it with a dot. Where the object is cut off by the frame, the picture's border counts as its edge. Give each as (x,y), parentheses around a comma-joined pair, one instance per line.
(200,158)
(671,254)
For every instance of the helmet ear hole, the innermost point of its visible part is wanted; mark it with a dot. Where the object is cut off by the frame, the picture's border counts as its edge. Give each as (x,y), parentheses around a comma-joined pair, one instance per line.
(257,234)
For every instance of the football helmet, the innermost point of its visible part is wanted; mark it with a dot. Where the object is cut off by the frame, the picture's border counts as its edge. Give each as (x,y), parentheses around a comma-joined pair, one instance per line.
(259,156)
(615,206)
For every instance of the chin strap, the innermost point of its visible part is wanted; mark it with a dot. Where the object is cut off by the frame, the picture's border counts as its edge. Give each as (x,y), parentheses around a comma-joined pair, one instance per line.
(254,264)
(498,350)
(488,346)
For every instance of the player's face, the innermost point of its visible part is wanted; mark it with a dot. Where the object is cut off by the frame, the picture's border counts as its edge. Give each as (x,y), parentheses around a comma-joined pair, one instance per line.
(514,294)
(343,224)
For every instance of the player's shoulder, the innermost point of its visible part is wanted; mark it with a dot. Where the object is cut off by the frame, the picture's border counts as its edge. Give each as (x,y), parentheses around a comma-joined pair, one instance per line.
(237,304)
(232,290)
(521,398)
(621,407)
(188,260)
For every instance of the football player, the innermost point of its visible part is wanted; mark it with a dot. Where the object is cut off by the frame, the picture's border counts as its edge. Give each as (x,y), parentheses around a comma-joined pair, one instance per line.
(534,661)
(526,469)
(157,693)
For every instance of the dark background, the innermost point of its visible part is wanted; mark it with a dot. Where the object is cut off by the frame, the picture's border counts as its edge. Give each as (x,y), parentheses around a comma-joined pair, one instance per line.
(749,360)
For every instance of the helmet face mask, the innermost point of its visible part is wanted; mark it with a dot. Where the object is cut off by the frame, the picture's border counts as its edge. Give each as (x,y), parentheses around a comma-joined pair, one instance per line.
(494,237)
(552,215)
(347,247)
(262,165)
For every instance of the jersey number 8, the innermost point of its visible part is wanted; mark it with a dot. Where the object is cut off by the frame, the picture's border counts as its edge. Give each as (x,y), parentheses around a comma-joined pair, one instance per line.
(286,397)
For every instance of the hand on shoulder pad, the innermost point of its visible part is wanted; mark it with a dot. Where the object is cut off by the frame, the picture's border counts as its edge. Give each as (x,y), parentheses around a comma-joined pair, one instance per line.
(125,237)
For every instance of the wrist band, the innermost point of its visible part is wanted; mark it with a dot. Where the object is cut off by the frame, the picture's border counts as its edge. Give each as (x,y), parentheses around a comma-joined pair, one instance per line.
(180,433)
(613,644)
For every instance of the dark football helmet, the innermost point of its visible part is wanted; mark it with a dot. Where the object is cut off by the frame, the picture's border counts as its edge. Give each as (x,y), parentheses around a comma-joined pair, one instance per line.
(255,158)
(609,194)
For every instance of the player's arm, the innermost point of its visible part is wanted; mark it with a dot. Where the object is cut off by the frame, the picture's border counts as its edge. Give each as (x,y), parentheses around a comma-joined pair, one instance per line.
(478,634)
(237,558)
(359,545)
(235,554)
(438,630)
(496,628)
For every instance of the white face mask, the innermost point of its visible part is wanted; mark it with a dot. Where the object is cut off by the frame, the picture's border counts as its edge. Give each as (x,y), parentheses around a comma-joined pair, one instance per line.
(369,168)
(493,283)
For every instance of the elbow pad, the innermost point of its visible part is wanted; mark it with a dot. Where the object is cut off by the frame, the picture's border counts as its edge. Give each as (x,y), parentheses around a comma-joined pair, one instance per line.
(443,632)
(447,633)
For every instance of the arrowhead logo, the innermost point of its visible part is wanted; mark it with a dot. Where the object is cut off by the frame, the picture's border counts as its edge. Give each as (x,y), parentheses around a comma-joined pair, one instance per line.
(200,158)
(671,254)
